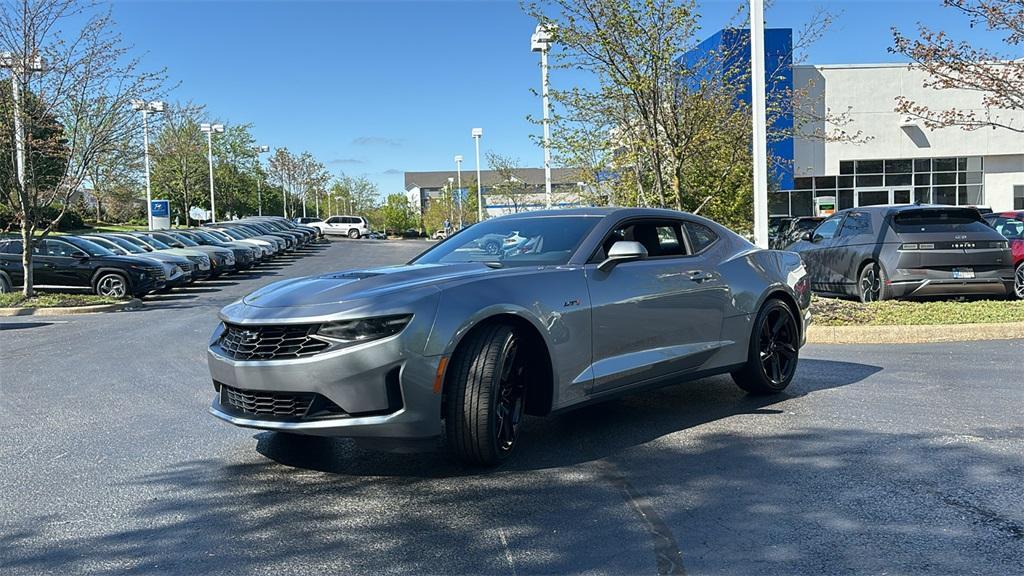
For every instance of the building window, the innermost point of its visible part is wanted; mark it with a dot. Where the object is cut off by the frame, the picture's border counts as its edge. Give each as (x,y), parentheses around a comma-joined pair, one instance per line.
(1018,197)
(955,181)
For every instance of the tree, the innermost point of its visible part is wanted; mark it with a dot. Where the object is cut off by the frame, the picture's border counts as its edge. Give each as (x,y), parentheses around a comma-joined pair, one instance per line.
(352,195)
(396,214)
(284,171)
(116,179)
(949,64)
(67,114)
(179,164)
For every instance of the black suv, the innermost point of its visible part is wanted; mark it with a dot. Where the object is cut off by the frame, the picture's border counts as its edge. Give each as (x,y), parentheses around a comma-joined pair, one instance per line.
(70,262)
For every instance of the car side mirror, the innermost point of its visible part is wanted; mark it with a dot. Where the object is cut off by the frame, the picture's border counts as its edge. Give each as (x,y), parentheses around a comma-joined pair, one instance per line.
(79,255)
(623,251)
(807,237)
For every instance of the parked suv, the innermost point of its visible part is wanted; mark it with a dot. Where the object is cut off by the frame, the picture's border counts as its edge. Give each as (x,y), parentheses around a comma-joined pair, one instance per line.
(351,226)
(1011,226)
(883,252)
(70,262)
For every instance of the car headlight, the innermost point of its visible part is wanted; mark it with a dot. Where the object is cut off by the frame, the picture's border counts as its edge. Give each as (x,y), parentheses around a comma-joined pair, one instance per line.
(363,329)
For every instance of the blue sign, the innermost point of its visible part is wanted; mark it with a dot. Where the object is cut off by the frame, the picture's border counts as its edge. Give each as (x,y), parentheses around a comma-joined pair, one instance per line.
(160,208)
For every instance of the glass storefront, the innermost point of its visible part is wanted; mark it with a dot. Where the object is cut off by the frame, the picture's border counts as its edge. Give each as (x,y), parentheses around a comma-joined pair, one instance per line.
(954,181)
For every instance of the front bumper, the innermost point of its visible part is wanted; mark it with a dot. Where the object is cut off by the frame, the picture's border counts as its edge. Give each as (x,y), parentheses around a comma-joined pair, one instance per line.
(382,389)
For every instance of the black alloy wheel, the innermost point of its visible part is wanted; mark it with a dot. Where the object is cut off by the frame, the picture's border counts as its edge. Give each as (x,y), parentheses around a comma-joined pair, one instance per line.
(777,346)
(773,353)
(485,395)
(870,284)
(1018,281)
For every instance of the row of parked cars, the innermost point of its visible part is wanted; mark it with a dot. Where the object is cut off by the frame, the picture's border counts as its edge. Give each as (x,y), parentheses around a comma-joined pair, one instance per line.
(910,251)
(123,264)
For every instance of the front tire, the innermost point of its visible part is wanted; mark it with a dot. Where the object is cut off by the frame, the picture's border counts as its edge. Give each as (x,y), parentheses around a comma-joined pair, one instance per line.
(773,353)
(486,396)
(353,234)
(112,284)
(5,284)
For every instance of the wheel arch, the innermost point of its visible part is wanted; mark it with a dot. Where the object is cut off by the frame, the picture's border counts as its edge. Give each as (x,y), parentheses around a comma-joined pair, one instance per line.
(779,292)
(540,392)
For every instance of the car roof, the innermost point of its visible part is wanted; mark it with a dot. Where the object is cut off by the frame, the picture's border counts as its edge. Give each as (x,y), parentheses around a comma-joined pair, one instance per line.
(600,212)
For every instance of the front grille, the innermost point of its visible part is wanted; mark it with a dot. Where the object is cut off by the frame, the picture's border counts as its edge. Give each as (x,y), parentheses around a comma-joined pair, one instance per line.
(187,267)
(259,403)
(270,342)
(287,405)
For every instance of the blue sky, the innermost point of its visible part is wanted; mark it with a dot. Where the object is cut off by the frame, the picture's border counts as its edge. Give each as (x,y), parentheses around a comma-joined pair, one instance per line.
(378,88)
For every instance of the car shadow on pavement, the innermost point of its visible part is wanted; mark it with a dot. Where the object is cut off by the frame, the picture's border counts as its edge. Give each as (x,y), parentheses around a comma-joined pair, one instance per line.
(745,500)
(585,434)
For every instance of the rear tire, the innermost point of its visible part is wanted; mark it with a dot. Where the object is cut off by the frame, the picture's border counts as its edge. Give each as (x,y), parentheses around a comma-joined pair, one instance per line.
(871,286)
(5,284)
(773,353)
(486,396)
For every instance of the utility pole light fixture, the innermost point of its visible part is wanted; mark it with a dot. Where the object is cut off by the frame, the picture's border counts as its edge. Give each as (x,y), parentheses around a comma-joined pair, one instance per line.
(145,107)
(540,41)
(478,133)
(210,129)
(458,171)
(259,180)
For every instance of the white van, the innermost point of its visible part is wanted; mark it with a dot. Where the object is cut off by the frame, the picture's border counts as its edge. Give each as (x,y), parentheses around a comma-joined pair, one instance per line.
(351,226)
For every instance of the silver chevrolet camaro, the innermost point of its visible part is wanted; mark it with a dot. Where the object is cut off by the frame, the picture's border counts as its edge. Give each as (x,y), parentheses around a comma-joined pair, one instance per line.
(456,346)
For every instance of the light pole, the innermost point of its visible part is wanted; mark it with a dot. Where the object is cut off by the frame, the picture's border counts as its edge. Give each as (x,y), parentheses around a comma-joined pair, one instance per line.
(477,133)
(28,64)
(210,129)
(259,180)
(147,107)
(451,184)
(458,171)
(540,41)
(757,89)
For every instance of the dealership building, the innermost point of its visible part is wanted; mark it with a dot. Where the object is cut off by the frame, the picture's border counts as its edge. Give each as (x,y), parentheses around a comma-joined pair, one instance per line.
(421,188)
(886,157)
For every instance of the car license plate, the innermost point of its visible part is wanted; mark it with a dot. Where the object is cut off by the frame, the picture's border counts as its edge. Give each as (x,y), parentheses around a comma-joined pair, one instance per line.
(963,273)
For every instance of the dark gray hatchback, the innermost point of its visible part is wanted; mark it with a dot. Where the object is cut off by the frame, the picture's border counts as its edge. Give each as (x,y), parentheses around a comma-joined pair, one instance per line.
(883,252)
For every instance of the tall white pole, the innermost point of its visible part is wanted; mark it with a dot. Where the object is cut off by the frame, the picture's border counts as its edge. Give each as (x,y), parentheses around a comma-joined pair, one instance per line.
(209,158)
(547,132)
(458,170)
(145,155)
(757,96)
(19,135)
(479,184)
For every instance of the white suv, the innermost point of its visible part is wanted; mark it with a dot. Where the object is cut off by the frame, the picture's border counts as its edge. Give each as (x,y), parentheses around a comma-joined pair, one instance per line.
(351,226)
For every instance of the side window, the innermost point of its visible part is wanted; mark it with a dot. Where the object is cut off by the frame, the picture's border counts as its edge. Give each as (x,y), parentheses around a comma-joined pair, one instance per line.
(334,220)
(660,238)
(12,247)
(58,248)
(828,228)
(857,223)
(700,236)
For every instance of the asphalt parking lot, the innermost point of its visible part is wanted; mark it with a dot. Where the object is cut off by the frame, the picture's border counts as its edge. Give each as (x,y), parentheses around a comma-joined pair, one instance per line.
(878,459)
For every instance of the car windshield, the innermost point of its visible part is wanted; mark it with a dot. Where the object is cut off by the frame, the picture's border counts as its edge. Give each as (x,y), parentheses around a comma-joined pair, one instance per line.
(124,244)
(90,248)
(207,236)
(149,241)
(183,239)
(514,241)
(238,234)
(1010,228)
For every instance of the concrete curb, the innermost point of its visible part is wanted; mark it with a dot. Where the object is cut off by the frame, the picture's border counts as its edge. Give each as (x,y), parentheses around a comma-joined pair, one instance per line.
(921,334)
(68,310)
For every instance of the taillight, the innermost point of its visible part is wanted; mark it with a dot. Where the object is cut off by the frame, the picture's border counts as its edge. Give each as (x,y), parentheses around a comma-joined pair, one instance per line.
(1002,245)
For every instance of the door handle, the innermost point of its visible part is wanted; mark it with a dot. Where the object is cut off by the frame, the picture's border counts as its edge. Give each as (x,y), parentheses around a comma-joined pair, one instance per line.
(700,275)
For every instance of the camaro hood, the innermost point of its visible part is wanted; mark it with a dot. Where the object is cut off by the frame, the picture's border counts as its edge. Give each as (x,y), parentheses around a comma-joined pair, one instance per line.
(349,285)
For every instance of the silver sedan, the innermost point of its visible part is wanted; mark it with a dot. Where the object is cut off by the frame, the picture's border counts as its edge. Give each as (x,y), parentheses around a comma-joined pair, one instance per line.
(456,346)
